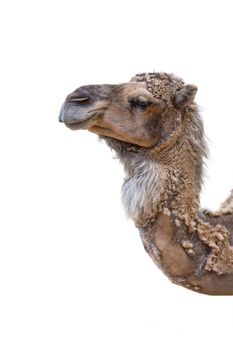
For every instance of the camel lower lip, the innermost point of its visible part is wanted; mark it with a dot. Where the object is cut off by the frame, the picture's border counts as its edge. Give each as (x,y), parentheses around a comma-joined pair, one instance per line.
(84,124)
(76,126)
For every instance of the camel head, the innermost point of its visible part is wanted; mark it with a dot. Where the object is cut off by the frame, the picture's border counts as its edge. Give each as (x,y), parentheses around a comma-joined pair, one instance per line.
(146,112)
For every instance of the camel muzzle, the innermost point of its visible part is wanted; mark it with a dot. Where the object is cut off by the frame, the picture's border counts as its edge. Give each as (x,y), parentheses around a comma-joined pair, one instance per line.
(82,107)
(75,109)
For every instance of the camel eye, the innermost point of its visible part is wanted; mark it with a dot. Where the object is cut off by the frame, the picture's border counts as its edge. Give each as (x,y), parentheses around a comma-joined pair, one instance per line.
(139,103)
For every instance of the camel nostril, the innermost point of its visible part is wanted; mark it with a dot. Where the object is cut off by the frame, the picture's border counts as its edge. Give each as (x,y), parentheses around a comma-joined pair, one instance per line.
(80,97)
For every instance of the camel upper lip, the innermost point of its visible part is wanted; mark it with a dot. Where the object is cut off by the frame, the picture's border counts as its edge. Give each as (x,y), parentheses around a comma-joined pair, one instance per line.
(70,113)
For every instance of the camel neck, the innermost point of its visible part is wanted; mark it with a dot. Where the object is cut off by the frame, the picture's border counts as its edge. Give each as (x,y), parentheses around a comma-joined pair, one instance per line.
(167,182)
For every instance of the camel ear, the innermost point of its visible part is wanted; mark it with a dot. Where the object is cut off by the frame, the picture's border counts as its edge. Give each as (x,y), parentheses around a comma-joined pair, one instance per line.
(185,96)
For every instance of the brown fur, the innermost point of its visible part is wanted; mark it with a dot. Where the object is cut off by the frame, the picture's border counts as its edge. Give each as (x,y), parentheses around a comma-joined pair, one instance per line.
(154,126)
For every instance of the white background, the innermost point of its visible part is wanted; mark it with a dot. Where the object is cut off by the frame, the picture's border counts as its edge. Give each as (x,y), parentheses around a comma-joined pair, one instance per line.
(73,272)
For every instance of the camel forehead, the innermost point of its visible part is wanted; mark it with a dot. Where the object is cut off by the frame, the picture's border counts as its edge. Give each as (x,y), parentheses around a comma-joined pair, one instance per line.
(131,89)
(160,85)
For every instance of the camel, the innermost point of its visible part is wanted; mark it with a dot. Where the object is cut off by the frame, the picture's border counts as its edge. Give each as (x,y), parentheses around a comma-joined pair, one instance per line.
(154,126)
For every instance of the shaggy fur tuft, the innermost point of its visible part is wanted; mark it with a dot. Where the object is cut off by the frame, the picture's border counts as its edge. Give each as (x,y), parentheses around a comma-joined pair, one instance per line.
(142,189)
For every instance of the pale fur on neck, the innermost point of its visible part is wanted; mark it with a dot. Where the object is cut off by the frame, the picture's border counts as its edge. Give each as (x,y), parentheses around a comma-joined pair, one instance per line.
(153,175)
(142,188)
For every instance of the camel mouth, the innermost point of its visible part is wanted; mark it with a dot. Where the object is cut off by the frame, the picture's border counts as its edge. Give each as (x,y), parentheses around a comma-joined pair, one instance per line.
(83,124)
(76,126)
